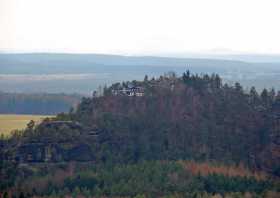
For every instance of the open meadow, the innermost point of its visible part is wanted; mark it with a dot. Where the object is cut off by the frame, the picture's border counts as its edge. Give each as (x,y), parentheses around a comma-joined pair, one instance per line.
(9,122)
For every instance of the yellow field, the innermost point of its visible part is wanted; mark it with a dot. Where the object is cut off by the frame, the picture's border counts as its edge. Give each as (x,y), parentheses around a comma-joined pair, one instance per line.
(9,122)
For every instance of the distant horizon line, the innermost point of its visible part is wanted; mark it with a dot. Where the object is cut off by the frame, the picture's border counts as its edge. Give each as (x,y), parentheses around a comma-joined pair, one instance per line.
(160,54)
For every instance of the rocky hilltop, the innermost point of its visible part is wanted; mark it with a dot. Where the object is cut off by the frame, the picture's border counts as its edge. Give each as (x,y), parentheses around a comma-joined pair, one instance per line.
(188,117)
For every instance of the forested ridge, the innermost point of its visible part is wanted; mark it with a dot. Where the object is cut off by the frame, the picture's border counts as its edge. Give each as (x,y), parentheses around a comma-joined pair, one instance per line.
(117,141)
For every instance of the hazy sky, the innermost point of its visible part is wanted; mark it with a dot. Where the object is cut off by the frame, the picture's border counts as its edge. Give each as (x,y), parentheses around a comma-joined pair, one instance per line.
(140,26)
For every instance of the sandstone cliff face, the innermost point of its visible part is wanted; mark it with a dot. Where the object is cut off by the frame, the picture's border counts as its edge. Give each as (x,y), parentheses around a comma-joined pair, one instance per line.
(75,145)
(52,152)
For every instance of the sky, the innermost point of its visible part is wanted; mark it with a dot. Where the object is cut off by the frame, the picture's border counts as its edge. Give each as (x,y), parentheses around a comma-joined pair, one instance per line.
(140,26)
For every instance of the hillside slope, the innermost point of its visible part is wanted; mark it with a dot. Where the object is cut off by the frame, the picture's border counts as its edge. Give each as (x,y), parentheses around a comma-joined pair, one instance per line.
(188,117)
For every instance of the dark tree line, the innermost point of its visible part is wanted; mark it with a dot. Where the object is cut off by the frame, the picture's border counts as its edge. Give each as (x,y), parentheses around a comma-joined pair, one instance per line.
(45,104)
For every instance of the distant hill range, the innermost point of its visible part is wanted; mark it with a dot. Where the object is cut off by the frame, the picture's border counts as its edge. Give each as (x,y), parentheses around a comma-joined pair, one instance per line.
(83,73)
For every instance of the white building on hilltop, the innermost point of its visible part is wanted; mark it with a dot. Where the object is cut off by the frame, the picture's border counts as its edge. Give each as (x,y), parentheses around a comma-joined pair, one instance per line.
(130,91)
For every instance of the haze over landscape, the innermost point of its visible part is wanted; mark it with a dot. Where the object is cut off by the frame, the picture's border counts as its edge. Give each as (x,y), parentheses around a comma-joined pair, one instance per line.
(140,27)
(243,32)
(141,99)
